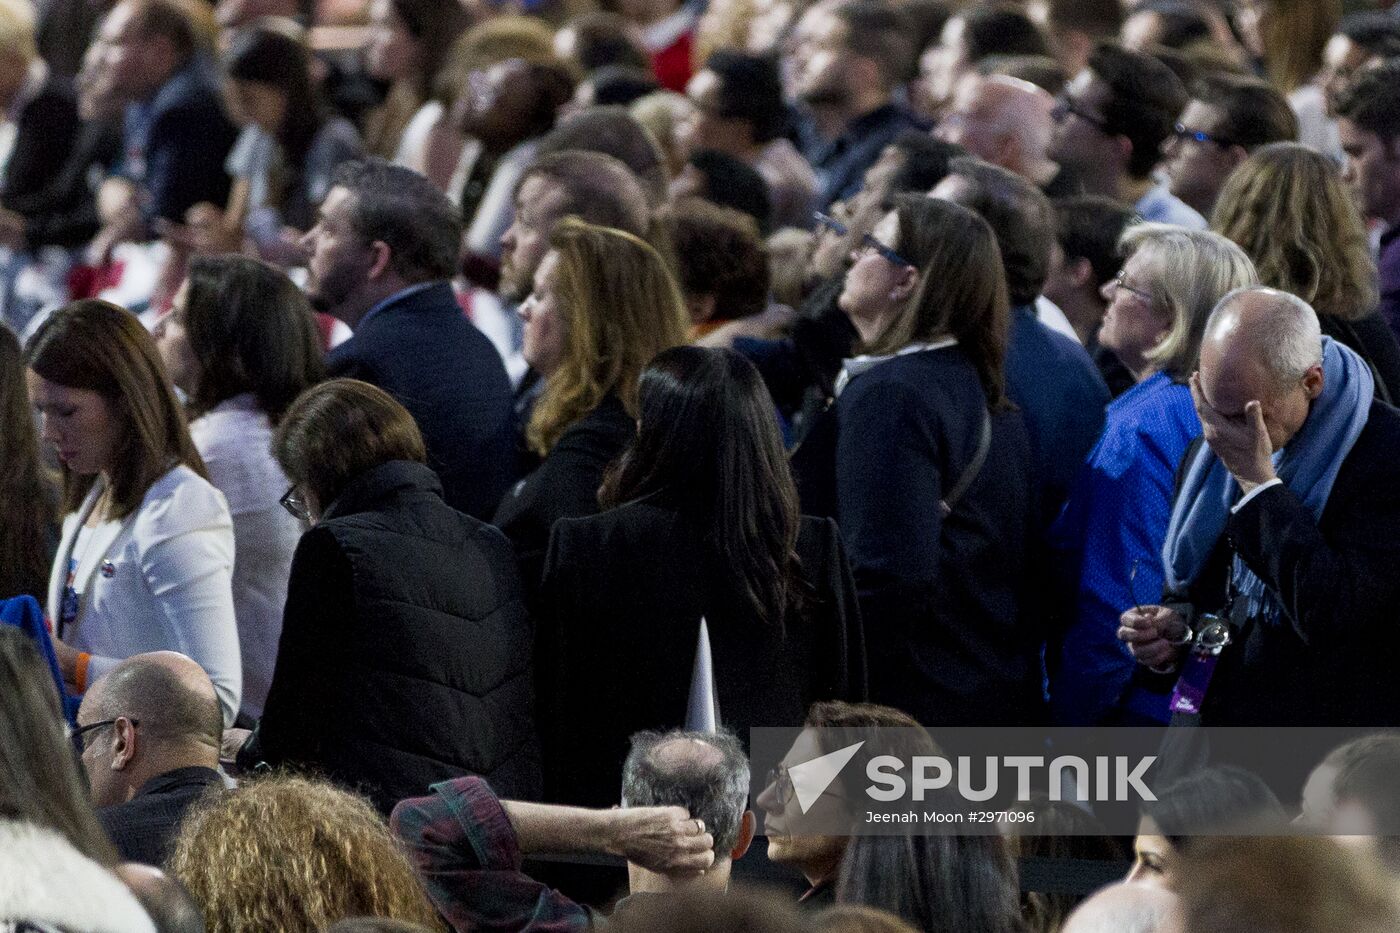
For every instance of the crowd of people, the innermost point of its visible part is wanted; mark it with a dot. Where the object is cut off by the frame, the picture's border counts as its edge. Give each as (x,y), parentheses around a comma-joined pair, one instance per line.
(424,421)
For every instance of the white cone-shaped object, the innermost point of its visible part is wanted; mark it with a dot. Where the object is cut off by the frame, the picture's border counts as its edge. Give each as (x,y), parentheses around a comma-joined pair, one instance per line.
(702,710)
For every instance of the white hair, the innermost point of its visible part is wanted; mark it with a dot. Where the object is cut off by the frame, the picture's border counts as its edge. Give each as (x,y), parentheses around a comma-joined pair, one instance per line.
(1288,334)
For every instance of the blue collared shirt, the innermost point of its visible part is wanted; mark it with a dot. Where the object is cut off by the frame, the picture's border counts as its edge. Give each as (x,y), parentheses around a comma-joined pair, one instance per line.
(1116,517)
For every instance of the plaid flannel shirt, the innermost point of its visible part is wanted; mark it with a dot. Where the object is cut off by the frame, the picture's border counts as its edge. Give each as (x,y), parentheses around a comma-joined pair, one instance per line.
(461,841)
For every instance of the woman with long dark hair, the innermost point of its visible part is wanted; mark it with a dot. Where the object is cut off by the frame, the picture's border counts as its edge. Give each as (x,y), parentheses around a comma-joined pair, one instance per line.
(29,531)
(241,342)
(926,467)
(291,143)
(145,562)
(701,523)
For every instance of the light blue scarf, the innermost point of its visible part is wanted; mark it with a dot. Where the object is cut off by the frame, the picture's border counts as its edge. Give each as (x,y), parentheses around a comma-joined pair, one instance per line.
(1307,465)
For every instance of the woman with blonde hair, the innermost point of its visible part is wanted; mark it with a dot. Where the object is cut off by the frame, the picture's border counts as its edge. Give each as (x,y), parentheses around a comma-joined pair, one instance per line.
(604,303)
(290,853)
(1291,211)
(1287,38)
(1112,528)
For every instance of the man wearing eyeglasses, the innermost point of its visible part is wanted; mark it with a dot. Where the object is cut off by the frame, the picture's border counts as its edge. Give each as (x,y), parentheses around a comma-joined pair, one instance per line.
(1227,119)
(1110,126)
(149,736)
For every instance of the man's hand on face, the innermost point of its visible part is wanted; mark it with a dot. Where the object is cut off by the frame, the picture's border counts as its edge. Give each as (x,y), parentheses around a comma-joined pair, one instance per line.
(666,840)
(1240,441)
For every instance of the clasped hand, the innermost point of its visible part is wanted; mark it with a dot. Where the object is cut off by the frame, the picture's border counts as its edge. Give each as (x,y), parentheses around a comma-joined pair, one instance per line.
(1149,633)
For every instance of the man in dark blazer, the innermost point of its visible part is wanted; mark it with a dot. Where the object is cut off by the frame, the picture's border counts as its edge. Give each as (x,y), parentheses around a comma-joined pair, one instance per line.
(1287,526)
(383,251)
(150,733)
(176,131)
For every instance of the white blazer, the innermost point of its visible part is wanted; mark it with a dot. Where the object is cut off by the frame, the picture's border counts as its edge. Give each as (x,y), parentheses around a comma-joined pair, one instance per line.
(235,440)
(158,580)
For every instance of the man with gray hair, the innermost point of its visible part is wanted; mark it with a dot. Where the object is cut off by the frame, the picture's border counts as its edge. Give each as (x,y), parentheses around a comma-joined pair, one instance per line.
(684,820)
(149,734)
(1284,540)
(1007,122)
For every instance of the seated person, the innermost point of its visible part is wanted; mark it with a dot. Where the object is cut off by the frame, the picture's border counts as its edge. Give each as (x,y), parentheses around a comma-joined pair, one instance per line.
(150,733)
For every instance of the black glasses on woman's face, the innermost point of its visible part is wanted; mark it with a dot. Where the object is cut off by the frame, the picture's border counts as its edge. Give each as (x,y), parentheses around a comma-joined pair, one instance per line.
(867,242)
(293,502)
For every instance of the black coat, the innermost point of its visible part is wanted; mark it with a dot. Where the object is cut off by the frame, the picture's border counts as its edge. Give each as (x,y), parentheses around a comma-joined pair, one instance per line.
(44,138)
(943,600)
(422,350)
(622,600)
(143,828)
(1374,341)
(405,651)
(1332,659)
(564,485)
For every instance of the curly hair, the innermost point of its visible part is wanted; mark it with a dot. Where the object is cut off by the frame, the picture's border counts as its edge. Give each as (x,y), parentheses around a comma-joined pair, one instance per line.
(290,853)
(621,307)
(1289,209)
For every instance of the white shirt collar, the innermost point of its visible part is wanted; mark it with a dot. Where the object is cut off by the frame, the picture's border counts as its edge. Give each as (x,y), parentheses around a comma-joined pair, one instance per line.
(856,365)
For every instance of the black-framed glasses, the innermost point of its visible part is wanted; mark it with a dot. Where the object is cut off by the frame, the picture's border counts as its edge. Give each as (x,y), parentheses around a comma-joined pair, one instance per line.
(1120,281)
(1183,133)
(1065,108)
(79,735)
(867,241)
(781,781)
(293,502)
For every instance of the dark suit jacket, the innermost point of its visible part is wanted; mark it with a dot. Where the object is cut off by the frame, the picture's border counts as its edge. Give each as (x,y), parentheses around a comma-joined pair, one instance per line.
(64,212)
(177,142)
(621,603)
(565,485)
(405,650)
(1375,342)
(1333,657)
(143,828)
(422,350)
(1062,397)
(942,598)
(45,135)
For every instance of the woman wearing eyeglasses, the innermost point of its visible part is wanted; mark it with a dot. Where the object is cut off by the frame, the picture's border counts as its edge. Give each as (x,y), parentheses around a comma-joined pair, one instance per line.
(1111,531)
(928,470)
(405,653)
(241,343)
(145,561)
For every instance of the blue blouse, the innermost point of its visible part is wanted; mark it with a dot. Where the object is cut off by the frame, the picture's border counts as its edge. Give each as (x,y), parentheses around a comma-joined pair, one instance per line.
(1116,518)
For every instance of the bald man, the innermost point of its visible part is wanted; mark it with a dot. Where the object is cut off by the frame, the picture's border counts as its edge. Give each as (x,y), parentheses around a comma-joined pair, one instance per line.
(150,734)
(1007,122)
(1128,907)
(1296,476)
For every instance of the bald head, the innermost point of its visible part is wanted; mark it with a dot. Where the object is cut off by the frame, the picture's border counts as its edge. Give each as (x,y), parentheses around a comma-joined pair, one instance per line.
(1128,907)
(1263,345)
(707,773)
(170,696)
(1278,330)
(1003,120)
